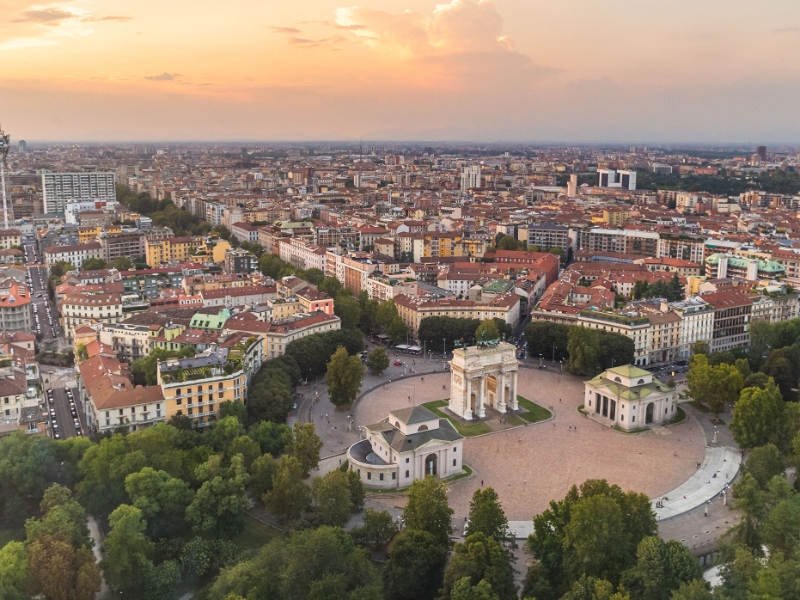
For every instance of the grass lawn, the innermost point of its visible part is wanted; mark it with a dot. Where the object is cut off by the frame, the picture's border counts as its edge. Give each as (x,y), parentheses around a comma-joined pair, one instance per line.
(582,410)
(255,535)
(535,413)
(465,429)
(679,417)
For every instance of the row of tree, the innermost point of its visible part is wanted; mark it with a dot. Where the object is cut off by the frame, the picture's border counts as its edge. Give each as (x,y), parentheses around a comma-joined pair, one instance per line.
(586,351)
(441,333)
(672,290)
(173,497)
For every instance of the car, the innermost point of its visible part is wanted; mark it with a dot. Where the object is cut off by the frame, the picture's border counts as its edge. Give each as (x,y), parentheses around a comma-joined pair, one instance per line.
(53,411)
(50,399)
(397,363)
(56,435)
(77,424)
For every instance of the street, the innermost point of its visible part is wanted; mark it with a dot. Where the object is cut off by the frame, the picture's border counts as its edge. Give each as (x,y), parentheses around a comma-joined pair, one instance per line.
(64,420)
(44,316)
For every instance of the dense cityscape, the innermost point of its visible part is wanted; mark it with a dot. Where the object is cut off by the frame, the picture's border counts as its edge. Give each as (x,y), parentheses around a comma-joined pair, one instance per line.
(400,371)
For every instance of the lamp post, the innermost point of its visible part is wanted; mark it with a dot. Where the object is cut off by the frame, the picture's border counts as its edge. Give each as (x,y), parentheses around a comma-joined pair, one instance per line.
(444,347)
(541,360)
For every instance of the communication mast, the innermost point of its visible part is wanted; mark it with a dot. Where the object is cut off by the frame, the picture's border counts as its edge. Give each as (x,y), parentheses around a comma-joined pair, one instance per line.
(5,144)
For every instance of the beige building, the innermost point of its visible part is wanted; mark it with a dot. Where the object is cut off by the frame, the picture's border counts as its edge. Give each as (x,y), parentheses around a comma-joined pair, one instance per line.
(78,308)
(629,398)
(413,309)
(407,445)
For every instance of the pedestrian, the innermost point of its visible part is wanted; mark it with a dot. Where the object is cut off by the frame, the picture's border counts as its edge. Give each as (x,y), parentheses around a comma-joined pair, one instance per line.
(576,428)
(481,482)
(559,400)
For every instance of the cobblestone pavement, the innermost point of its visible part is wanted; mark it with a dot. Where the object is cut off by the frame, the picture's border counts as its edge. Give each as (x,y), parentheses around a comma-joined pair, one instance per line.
(529,466)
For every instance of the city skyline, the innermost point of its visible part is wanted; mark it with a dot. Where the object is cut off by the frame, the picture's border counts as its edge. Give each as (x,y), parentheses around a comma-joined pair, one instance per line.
(486,71)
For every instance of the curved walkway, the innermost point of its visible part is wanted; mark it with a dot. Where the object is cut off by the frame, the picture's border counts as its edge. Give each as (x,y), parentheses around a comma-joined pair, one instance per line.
(716,472)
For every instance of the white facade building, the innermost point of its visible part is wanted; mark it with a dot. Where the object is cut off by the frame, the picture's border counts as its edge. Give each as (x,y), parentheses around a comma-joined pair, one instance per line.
(62,188)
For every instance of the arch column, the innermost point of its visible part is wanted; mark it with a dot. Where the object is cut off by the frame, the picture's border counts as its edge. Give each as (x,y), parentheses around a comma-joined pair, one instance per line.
(500,395)
(467,412)
(480,411)
(513,404)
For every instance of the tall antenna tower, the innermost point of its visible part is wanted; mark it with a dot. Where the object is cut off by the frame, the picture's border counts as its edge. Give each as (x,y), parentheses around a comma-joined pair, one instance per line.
(5,145)
(360,159)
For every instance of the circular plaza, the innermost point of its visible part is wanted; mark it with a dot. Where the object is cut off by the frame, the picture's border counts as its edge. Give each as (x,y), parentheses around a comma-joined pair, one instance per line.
(530,465)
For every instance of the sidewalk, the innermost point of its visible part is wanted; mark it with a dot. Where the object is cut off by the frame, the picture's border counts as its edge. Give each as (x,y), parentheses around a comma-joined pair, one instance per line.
(716,473)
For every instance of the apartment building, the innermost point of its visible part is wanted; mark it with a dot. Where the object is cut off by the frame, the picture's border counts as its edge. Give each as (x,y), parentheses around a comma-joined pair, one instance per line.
(240,261)
(10,238)
(549,235)
(723,266)
(697,323)
(682,246)
(75,254)
(635,326)
(195,387)
(128,245)
(442,244)
(129,341)
(621,241)
(732,311)
(245,232)
(302,254)
(111,401)
(61,188)
(15,306)
(176,249)
(86,306)
(413,309)
(312,300)
(279,334)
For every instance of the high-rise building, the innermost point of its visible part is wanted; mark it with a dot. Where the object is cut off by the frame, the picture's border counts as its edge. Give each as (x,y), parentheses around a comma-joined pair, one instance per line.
(572,186)
(762,152)
(470,177)
(61,188)
(611,178)
(23,146)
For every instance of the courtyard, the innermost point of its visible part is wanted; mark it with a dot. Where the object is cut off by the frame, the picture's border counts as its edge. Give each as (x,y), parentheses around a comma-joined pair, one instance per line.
(533,464)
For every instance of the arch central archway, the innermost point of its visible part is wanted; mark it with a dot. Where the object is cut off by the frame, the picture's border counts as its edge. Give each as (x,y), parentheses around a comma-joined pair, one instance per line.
(430,464)
(648,414)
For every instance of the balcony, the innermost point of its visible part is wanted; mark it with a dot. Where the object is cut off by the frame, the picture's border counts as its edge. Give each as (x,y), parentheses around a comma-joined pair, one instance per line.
(196,404)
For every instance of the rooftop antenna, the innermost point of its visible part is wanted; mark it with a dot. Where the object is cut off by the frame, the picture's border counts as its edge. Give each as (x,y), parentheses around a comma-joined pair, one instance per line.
(360,158)
(5,144)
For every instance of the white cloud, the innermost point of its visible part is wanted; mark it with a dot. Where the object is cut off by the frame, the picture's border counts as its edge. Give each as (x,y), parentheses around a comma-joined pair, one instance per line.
(460,26)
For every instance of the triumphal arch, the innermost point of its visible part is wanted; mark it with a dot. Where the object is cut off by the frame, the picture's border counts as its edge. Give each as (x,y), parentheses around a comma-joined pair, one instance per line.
(481,376)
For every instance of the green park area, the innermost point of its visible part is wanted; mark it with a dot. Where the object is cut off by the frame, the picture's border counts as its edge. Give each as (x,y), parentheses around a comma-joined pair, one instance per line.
(530,412)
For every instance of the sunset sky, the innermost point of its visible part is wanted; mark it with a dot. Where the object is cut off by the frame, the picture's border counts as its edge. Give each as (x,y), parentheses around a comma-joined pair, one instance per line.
(513,70)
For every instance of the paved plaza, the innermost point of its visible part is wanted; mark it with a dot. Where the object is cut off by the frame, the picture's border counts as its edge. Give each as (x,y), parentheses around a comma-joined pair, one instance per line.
(529,466)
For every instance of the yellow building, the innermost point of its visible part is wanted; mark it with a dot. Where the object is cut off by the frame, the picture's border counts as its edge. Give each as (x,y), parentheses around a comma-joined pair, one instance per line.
(616,216)
(219,250)
(473,247)
(178,249)
(442,244)
(195,387)
(284,308)
(89,234)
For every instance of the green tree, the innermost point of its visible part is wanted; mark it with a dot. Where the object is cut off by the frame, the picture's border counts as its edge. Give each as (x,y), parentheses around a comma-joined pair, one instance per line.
(583,352)
(128,550)
(63,518)
(144,369)
(314,276)
(331,286)
(377,531)
(161,581)
(270,400)
(779,367)
(696,589)
(508,243)
(13,568)
(272,437)
(93,264)
(289,496)
(427,509)
(397,331)
(757,416)
(701,347)
(357,493)
(464,590)
(161,498)
(481,559)
(245,447)
(559,253)
(332,498)
(348,310)
(262,474)
(233,408)
(487,330)
(764,463)
(661,567)
(344,377)
(486,516)
(377,361)
(305,446)
(122,263)
(760,343)
(714,386)
(219,505)
(415,568)
(61,572)
(385,314)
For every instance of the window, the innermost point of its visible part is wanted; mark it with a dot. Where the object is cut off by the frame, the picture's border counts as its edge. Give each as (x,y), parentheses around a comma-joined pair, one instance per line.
(178,401)
(454,462)
(406,463)
(406,474)
(120,411)
(369,475)
(381,477)
(633,419)
(178,392)
(179,413)
(455,449)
